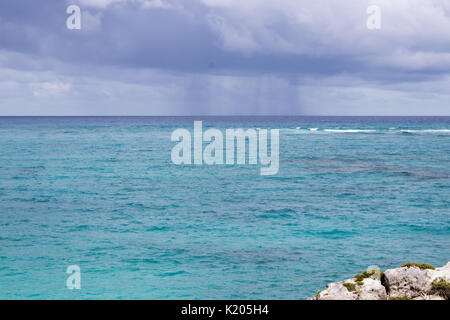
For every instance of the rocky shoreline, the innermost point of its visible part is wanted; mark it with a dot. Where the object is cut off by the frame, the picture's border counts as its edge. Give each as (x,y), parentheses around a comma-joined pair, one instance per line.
(412,281)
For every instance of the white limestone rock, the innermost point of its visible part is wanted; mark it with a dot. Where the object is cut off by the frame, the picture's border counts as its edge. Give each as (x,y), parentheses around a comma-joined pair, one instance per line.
(336,291)
(405,282)
(408,282)
(413,282)
(429,297)
(372,289)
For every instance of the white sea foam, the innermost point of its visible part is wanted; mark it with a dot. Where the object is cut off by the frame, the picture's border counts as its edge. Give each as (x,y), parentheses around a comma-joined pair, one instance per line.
(292,131)
(426,131)
(299,130)
(349,130)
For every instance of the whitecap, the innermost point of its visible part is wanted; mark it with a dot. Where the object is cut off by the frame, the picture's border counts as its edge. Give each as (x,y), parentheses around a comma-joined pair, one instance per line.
(426,131)
(349,130)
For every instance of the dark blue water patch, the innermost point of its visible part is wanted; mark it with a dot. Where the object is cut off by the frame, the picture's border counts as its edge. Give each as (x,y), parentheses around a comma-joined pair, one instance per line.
(172,274)
(157,228)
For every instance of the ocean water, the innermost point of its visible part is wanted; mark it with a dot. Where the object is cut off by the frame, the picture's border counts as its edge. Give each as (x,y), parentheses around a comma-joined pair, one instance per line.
(103,194)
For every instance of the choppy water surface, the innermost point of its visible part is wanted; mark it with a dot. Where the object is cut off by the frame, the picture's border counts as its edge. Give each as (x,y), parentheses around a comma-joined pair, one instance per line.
(103,194)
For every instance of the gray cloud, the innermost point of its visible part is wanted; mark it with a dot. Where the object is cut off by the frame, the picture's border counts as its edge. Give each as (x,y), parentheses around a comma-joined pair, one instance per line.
(224,57)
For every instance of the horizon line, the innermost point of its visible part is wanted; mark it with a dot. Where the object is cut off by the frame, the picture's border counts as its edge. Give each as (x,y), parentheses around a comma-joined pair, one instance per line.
(246,115)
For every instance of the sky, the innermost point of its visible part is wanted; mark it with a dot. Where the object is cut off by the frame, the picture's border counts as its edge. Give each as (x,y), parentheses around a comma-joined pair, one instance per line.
(225,57)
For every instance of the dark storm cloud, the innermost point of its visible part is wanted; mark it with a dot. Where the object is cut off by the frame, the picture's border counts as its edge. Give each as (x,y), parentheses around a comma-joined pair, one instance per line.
(131,36)
(224,57)
(197,37)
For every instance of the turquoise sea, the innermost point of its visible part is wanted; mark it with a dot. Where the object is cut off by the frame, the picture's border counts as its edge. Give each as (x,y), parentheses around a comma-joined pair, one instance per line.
(103,194)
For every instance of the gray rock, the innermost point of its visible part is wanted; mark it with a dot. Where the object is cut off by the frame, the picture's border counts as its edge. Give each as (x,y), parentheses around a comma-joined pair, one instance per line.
(413,282)
(410,282)
(429,297)
(372,289)
(336,291)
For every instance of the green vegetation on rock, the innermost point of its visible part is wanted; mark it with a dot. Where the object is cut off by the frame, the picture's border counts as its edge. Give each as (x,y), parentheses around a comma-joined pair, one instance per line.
(359,278)
(317,294)
(422,266)
(399,298)
(440,284)
(350,286)
(441,287)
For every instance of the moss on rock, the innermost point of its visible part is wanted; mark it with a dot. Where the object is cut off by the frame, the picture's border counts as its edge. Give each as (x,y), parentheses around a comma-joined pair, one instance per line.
(422,266)
(359,278)
(350,286)
(441,287)
(399,298)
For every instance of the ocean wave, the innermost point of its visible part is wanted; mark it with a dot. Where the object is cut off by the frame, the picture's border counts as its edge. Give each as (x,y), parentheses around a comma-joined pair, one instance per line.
(299,130)
(425,131)
(350,130)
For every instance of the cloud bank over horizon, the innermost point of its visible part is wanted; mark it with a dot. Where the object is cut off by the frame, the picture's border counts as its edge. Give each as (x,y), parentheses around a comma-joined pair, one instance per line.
(225,57)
